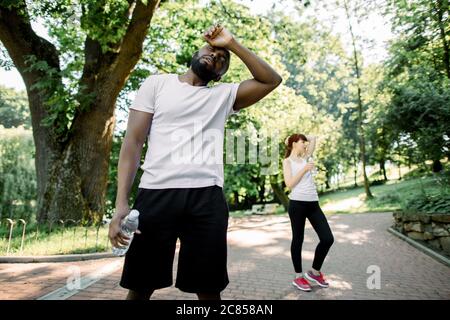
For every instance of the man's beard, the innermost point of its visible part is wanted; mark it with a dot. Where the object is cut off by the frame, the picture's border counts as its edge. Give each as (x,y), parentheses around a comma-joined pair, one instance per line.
(201,69)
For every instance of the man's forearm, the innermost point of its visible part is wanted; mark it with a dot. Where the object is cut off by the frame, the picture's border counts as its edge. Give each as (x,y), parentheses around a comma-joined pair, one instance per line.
(130,154)
(260,70)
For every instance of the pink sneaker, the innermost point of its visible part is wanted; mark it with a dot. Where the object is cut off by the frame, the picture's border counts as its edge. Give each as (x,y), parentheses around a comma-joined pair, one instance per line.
(302,284)
(320,280)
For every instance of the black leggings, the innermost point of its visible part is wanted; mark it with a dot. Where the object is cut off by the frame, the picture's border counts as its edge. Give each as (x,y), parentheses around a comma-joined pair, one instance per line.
(298,212)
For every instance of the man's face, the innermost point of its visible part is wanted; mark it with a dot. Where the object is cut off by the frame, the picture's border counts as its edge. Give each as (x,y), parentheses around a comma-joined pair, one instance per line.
(210,63)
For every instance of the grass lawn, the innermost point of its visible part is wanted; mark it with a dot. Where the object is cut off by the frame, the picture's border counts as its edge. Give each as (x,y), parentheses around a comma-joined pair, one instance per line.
(72,241)
(387,197)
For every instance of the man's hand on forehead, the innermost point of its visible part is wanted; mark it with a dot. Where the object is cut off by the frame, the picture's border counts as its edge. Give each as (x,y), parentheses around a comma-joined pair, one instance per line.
(218,36)
(213,31)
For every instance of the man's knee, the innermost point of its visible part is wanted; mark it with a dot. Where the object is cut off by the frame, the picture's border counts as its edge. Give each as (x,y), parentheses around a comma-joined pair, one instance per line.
(141,295)
(208,296)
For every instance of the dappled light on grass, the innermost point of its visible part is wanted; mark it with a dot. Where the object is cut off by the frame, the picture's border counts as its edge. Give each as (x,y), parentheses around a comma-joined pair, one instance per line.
(349,204)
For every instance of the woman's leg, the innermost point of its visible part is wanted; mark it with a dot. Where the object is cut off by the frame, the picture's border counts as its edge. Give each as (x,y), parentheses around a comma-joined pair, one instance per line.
(298,216)
(320,225)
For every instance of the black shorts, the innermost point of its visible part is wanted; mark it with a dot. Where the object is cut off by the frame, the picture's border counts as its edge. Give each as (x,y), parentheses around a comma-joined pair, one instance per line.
(199,218)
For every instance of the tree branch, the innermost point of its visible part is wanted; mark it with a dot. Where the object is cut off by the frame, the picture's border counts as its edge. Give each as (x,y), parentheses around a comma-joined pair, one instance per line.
(20,40)
(132,43)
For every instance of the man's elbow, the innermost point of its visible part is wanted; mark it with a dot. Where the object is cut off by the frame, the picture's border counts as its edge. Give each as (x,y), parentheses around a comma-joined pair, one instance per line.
(277,80)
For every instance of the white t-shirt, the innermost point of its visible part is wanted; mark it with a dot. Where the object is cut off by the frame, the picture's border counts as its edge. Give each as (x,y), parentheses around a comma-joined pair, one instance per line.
(185,142)
(305,189)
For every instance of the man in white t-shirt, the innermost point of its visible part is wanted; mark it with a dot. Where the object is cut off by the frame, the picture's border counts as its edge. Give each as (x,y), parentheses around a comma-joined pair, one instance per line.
(180,193)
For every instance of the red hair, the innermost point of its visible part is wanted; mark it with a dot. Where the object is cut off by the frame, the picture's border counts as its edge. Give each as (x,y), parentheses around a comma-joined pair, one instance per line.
(290,140)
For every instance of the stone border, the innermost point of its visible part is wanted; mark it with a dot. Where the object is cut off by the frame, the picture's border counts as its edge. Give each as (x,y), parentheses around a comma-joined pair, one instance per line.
(431,228)
(56,258)
(437,256)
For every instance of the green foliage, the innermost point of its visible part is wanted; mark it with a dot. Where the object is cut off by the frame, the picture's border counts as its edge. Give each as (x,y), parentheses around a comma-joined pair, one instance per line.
(14,110)
(105,21)
(421,108)
(17,173)
(418,77)
(5,61)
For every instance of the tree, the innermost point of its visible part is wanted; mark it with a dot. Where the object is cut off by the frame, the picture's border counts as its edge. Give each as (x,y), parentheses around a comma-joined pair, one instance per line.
(380,134)
(419,77)
(357,66)
(72,84)
(423,27)
(17,173)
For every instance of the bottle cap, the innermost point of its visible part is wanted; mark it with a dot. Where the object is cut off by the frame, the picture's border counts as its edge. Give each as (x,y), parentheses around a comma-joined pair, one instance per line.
(134,214)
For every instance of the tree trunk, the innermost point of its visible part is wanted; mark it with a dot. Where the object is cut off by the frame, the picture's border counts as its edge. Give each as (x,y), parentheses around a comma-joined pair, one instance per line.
(440,13)
(362,143)
(383,169)
(279,192)
(437,166)
(81,173)
(327,180)
(262,189)
(236,198)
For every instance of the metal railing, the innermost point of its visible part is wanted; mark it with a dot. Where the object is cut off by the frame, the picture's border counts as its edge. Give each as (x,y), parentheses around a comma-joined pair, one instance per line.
(67,231)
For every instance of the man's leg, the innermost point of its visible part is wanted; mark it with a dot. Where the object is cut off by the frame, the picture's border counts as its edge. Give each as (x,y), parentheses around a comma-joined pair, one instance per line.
(202,260)
(135,295)
(149,261)
(208,296)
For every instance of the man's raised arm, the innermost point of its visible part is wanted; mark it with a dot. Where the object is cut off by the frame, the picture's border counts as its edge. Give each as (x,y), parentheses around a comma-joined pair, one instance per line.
(265,78)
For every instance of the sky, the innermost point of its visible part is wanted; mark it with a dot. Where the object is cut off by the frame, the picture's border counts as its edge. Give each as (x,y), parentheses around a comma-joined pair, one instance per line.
(375,28)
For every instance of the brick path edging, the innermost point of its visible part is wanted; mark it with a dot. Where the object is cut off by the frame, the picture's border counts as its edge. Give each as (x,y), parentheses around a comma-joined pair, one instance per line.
(437,256)
(56,258)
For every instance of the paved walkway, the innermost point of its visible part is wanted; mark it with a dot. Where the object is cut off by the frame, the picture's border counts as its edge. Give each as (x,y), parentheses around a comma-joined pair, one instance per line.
(260,266)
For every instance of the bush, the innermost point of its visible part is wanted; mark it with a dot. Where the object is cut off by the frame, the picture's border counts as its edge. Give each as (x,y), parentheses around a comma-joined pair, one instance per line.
(389,198)
(377,182)
(17,173)
(429,204)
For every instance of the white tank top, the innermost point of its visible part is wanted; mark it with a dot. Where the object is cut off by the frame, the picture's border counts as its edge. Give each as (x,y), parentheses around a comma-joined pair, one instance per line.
(305,189)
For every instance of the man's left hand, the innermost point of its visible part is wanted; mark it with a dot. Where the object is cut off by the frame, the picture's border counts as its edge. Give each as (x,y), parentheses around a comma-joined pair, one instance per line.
(218,36)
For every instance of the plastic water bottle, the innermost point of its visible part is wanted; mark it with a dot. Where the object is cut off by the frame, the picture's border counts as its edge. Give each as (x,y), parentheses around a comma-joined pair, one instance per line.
(313,171)
(128,228)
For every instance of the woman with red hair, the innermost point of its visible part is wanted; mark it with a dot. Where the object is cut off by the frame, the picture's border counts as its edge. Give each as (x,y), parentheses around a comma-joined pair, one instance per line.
(304,203)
